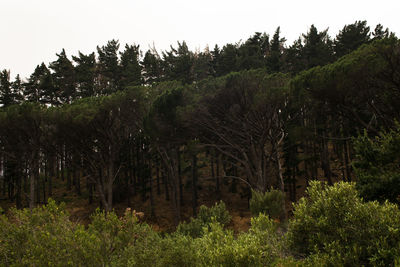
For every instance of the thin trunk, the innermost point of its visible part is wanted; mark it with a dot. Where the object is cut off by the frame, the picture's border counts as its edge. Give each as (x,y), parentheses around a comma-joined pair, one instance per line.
(18,197)
(33,174)
(37,183)
(158,178)
(62,163)
(109,185)
(51,167)
(164,178)
(180,177)
(151,189)
(325,160)
(347,160)
(68,167)
(281,183)
(218,189)
(194,184)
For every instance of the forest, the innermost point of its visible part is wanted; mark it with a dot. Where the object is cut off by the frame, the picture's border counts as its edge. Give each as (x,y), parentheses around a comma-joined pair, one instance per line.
(165,149)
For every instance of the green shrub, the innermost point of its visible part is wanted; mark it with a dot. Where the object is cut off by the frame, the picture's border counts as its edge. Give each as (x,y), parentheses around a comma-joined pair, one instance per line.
(335,225)
(45,236)
(176,250)
(195,227)
(39,237)
(270,203)
(260,246)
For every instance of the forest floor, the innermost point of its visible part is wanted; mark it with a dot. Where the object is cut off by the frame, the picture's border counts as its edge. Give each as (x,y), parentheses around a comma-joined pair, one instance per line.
(237,203)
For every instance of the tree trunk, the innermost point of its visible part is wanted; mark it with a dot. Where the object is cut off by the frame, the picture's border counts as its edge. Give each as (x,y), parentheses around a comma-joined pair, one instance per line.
(158,178)
(180,177)
(218,189)
(325,161)
(194,184)
(347,160)
(33,178)
(151,189)
(281,181)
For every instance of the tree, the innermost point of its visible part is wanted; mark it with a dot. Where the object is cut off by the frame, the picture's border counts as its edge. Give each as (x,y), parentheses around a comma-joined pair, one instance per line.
(63,78)
(98,128)
(202,65)
(380,33)
(376,166)
(252,53)
(227,60)
(6,95)
(108,67)
(244,119)
(274,58)
(362,86)
(17,89)
(166,133)
(40,87)
(152,69)
(351,37)
(131,71)
(294,61)
(317,49)
(178,63)
(85,71)
(21,138)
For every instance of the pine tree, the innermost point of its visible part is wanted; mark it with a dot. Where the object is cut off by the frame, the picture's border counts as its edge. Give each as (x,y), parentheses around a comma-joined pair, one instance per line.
(274,59)
(17,89)
(108,67)
(6,95)
(33,90)
(317,49)
(351,37)
(85,71)
(178,63)
(151,65)
(131,71)
(379,33)
(64,78)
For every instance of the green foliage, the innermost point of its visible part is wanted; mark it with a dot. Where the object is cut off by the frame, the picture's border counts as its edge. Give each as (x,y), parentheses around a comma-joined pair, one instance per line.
(333,227)
(259,247)
(270,203)
(206,216)
(114,240)
(46,237)
(351,37)
(333,223)
(376,166)
(28,237)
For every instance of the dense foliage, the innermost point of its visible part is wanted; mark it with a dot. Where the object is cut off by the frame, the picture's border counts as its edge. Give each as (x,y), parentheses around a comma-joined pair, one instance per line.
(269,203)
(377,166)
(334,223)
(329,228)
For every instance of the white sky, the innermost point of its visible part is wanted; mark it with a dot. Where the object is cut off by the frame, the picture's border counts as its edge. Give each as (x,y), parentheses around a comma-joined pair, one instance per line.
(33,31)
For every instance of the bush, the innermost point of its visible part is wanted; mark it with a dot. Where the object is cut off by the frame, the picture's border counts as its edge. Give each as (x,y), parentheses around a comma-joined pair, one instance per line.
(195,227)
(45,236)
(42,237)
(259,247)
(335,225)
(270,203)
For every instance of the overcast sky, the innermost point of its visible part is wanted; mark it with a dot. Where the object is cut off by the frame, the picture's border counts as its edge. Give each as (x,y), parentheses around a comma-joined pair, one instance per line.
(33,31)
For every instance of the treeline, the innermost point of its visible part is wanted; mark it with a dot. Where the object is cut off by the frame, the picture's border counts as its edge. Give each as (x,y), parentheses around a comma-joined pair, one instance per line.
(110,70)
(255,128)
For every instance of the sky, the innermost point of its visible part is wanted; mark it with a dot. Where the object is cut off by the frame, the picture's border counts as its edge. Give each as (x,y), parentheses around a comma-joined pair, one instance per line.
(33,31)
